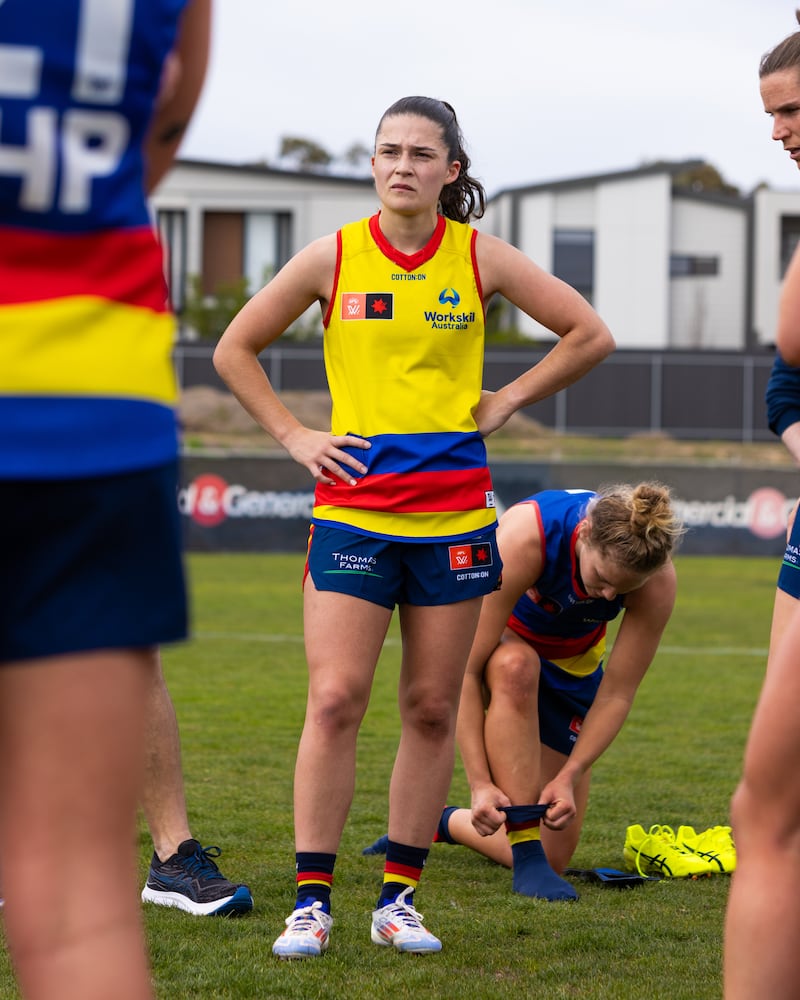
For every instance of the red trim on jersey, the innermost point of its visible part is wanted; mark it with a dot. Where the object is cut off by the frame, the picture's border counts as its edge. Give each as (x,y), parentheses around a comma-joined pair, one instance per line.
(329,311)
(408,262)
(475,270)
(537,513)
(557,647)
(308,553)
(118,265)
(573,555)
(542,534)
(410,492)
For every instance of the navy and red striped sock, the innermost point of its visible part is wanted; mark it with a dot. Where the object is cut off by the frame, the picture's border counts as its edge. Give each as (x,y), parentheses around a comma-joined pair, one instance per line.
(442,835)
(402,869)
(314,878)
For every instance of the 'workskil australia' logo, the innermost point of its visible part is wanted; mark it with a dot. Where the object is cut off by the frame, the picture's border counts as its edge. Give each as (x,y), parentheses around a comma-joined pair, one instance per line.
(449,299)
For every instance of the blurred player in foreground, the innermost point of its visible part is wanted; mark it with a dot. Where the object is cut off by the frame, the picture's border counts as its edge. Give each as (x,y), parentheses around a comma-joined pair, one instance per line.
(94,99)
(762,924)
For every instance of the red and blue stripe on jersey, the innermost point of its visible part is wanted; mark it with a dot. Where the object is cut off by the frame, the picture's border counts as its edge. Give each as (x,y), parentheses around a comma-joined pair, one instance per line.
(86,381)
(555,615)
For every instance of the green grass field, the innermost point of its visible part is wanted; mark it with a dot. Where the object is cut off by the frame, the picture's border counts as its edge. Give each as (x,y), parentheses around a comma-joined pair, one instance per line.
(239,689)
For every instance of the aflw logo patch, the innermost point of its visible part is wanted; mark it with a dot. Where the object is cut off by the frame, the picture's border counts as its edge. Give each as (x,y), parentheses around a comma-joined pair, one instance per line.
(467,556)
(367,305)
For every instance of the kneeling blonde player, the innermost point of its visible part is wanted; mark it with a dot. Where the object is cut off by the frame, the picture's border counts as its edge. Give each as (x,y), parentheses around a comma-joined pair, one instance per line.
(541,701)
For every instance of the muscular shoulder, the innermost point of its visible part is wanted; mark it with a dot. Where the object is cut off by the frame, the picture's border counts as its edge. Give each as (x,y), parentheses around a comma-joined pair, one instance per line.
(519,539)
(494,256)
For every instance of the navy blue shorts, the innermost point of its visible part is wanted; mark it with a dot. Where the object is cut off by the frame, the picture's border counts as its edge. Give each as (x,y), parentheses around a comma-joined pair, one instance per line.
(90,564)
(387,572)
(789,574)
(564,701)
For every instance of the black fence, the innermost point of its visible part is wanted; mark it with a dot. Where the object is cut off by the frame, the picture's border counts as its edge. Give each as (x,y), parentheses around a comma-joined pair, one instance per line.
(687,395)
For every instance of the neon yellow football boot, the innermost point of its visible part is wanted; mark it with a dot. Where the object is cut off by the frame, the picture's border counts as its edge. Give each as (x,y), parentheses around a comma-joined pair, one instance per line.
(715,845)
(656,852)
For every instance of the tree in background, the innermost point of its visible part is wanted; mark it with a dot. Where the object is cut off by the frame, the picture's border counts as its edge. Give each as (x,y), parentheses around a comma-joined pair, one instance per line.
(704,179)
(205,317)
(305,153)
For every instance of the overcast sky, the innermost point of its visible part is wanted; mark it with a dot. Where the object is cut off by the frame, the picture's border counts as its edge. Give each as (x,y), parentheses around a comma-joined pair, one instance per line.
(544,89)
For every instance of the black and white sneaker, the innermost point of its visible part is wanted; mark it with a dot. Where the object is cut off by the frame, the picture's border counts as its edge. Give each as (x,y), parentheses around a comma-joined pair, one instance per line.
(191,881)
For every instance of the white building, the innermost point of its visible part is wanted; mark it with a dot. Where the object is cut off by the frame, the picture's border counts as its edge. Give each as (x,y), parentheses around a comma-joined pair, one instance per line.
(665,267)
(776,229)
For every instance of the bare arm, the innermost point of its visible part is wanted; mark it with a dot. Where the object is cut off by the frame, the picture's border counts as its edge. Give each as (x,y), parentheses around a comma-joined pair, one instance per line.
(646,614)
(584,339)
(787,336)
(306,278)
(182,81)
(520,548)
(791,439)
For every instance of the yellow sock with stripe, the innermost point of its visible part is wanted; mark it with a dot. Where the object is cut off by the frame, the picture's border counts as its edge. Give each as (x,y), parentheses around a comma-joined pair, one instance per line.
(533,875)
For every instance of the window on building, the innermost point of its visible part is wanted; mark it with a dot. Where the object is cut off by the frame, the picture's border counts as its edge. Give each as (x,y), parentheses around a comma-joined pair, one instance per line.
(573,259)
(172,231)
(251,245)
(684,265)
(267,246)
(790,236)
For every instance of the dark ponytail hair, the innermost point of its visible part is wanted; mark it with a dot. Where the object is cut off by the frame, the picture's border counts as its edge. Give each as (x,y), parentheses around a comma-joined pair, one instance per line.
(785,55)
(464,198)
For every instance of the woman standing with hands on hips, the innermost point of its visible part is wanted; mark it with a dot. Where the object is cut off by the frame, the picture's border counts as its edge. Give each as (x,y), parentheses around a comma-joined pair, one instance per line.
(404,509)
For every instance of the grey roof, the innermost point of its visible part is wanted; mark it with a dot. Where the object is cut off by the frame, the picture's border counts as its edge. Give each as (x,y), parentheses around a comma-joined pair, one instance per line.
(669,167)
(262,169)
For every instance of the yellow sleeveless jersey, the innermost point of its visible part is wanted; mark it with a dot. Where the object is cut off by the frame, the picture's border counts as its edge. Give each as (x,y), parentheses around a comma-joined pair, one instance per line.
(404,339)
